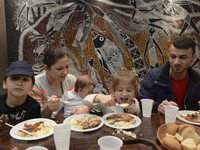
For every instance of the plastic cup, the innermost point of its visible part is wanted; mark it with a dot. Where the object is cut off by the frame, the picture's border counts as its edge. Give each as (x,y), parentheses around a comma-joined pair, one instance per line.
(170,113)
(110,143)
(62,133)
(147,107)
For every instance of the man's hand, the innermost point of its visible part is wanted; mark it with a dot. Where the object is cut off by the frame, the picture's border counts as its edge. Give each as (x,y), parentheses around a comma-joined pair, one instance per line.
(165,102)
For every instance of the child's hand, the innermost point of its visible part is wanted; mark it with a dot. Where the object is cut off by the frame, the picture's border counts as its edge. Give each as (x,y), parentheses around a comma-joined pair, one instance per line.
(130,110)
(104,100)
(80,110)
(53,116)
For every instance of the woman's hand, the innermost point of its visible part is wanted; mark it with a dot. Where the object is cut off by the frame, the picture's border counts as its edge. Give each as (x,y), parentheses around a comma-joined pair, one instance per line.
(53,103)
(80,110)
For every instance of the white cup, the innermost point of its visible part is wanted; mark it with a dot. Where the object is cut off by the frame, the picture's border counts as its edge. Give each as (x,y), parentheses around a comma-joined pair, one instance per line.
(170,113)
(62,133)
(110,143)
(147,107)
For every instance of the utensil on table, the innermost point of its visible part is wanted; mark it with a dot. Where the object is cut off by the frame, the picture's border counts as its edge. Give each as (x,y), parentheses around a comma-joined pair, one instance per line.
(18,128)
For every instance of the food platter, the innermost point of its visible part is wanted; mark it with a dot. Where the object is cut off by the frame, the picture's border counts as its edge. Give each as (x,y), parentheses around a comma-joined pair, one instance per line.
(14,131)
(162,130)
(185,112)
(67,120)
(138,122)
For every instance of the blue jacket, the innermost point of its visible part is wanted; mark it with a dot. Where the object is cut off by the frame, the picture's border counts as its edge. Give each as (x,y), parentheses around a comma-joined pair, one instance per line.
(156,85)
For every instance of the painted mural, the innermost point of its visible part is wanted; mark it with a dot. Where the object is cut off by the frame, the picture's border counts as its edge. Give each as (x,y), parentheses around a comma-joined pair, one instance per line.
(101,36)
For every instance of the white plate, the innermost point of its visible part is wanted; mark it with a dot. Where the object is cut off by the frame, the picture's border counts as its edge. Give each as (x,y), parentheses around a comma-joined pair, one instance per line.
(138,122)
(81,116)
(37,148)
(186,112)
(13,131)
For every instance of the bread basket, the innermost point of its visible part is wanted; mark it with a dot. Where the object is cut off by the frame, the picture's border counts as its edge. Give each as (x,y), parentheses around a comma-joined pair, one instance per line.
(161,132)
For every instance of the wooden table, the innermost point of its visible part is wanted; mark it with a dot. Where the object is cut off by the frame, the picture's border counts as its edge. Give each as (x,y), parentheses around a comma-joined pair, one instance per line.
(86,140)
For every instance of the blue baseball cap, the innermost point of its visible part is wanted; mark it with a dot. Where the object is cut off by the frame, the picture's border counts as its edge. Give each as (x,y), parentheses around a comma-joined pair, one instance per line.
(19,68)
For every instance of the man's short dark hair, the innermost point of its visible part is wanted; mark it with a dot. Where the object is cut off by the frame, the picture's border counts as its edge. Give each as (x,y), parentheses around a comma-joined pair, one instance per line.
(184,42)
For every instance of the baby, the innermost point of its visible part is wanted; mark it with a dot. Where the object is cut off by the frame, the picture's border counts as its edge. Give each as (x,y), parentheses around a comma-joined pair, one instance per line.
(73,99)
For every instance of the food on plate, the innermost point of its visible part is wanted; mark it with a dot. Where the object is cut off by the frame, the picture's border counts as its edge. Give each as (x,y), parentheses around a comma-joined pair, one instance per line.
(128,133)
(38,129)
(86,122)
(185,138)
(194,117)
(68,102)
(121,120)
(124,105)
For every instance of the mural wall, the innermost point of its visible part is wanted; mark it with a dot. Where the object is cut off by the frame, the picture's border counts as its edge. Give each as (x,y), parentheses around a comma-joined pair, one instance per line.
(101,36)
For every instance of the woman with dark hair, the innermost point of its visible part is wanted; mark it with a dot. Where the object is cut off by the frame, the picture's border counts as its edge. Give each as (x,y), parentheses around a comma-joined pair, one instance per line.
(54,82)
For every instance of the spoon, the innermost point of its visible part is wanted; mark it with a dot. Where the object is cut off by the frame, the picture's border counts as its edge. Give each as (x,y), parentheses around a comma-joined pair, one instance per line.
(66,102)
(123,105)
(18,128)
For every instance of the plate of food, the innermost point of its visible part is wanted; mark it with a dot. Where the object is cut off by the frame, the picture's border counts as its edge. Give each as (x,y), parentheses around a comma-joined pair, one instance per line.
(175,135)
(189,116)
(40,127)
(121,120)
(84,122)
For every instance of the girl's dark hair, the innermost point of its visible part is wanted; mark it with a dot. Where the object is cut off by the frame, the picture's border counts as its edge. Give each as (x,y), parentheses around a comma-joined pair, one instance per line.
(184,42)
(53,55)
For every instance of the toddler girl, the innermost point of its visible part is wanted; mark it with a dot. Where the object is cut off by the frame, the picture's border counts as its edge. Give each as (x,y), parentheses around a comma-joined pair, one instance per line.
(124,88)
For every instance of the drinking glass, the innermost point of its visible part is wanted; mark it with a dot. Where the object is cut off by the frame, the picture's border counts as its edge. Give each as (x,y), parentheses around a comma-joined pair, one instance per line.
(62,133)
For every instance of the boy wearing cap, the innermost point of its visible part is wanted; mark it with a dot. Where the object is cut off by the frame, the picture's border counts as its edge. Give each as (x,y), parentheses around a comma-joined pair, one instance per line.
(16,104)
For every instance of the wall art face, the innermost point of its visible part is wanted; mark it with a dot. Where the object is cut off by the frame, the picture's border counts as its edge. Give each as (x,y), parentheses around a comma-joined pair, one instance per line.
(102,36)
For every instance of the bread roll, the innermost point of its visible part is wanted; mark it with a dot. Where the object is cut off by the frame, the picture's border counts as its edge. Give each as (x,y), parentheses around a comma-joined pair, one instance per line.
(190,133)
(188,144)
(182,127)
(198,147)
(178,137)
(171,142)
(172,128)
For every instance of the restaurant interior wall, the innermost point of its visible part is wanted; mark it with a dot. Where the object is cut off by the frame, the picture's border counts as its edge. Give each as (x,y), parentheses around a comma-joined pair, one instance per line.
(101,36)
(3,46)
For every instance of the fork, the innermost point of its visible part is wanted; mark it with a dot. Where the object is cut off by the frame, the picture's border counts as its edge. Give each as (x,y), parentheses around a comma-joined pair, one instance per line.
(19,128)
